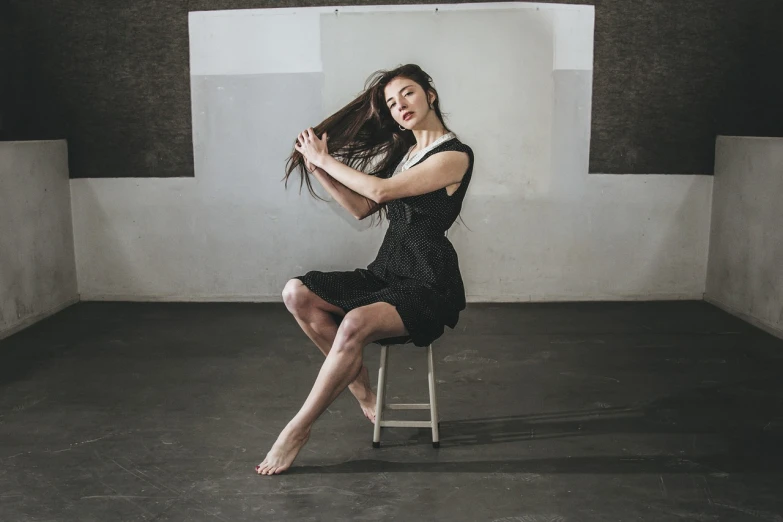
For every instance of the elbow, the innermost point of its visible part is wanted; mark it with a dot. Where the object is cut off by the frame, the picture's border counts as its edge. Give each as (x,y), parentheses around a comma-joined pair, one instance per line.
(380,197)
(360,214)
(369,210)
(380,192)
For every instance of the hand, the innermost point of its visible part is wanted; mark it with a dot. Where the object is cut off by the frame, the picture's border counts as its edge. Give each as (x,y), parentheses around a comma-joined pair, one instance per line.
(312,149)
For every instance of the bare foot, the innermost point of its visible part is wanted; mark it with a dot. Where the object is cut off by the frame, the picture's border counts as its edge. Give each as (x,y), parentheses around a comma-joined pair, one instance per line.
(283,452)
(362,390)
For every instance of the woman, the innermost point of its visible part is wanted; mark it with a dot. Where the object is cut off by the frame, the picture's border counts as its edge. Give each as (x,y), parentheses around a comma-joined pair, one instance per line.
(413,287)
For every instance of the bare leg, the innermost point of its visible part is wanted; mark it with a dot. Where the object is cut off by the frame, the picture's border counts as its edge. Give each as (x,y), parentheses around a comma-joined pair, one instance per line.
(314,317)
(359,327)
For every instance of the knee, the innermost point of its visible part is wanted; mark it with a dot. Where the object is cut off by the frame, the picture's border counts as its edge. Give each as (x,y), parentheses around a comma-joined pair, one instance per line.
(295,296)
(352,330)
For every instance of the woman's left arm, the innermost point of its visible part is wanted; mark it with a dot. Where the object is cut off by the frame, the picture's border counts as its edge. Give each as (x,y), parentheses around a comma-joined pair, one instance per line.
(438,171)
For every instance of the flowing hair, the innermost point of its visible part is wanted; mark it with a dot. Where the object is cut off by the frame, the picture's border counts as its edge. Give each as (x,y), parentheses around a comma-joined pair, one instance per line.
(363,134)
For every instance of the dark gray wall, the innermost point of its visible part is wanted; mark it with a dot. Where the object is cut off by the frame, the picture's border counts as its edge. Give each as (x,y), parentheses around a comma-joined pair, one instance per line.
(113,79)
(6,74)
(671,75)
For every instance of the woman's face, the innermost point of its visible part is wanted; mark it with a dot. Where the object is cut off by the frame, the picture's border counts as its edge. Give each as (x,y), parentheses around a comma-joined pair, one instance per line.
(407,101)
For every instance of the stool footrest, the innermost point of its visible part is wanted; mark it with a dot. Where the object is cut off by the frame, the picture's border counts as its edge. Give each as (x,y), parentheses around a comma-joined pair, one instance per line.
(406,424)
(407,406)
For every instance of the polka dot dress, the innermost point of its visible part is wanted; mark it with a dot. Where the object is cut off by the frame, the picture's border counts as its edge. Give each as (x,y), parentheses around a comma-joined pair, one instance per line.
(416,269)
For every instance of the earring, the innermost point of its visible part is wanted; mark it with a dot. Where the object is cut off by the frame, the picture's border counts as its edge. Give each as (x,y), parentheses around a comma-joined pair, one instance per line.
(401,127)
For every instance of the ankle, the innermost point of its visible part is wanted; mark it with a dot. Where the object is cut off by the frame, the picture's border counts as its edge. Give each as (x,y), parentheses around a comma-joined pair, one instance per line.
(296,429)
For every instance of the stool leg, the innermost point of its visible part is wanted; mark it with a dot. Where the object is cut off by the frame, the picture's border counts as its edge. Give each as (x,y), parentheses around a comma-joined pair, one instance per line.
(433,399)
(380,398)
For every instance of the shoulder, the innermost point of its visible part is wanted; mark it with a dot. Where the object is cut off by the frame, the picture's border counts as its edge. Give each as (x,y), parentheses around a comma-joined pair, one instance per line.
(453,148)
(447,158)
(452,154)
(450,161)
(456,149)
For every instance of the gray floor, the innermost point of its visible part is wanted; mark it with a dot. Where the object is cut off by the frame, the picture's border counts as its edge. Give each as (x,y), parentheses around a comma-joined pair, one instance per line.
(550,412)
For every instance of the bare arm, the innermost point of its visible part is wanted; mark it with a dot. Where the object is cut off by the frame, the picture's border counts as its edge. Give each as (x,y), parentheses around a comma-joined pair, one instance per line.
(359,206)
(438,171)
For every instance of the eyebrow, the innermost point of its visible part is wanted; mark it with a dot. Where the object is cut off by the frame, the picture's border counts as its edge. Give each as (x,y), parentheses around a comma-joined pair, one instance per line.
(411,85)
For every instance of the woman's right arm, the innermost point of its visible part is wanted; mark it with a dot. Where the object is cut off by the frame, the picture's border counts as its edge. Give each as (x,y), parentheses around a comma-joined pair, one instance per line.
(359,206)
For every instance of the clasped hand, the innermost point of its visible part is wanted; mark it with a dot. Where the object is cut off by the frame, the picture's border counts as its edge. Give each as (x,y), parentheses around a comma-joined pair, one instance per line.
(312,149)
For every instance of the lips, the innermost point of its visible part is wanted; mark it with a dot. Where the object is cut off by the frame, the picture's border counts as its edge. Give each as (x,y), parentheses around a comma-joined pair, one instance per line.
(407,116)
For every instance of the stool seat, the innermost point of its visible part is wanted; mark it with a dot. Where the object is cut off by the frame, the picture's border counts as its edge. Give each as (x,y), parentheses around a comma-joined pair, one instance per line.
(381,406)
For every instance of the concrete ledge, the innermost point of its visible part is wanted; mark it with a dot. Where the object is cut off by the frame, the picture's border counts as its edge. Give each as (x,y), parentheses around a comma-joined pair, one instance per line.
(31,320)
(770,329)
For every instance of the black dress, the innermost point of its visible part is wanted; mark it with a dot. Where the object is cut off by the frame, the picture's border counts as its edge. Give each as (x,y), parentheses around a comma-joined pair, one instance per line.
(416,269)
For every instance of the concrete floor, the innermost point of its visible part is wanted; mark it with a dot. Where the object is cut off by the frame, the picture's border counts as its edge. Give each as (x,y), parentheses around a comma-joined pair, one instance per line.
(550,412)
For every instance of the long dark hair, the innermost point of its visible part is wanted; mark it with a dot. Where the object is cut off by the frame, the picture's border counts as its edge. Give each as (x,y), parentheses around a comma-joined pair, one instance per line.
(363,134)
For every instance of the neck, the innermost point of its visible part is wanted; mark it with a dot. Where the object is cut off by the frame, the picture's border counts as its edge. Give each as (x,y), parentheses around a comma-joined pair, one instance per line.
(430,130)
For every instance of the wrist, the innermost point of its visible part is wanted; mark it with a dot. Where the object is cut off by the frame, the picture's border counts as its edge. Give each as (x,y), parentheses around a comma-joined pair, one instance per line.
(322,160)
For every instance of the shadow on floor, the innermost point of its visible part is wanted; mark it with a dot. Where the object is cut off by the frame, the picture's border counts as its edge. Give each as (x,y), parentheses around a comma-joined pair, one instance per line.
(742,423)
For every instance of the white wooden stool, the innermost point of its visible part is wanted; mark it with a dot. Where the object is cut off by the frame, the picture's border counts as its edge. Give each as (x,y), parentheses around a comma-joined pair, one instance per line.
(381,406)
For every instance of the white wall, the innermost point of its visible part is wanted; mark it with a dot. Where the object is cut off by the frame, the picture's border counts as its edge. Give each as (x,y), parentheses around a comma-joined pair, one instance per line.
(516,83)
(745,272)
(37,267)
